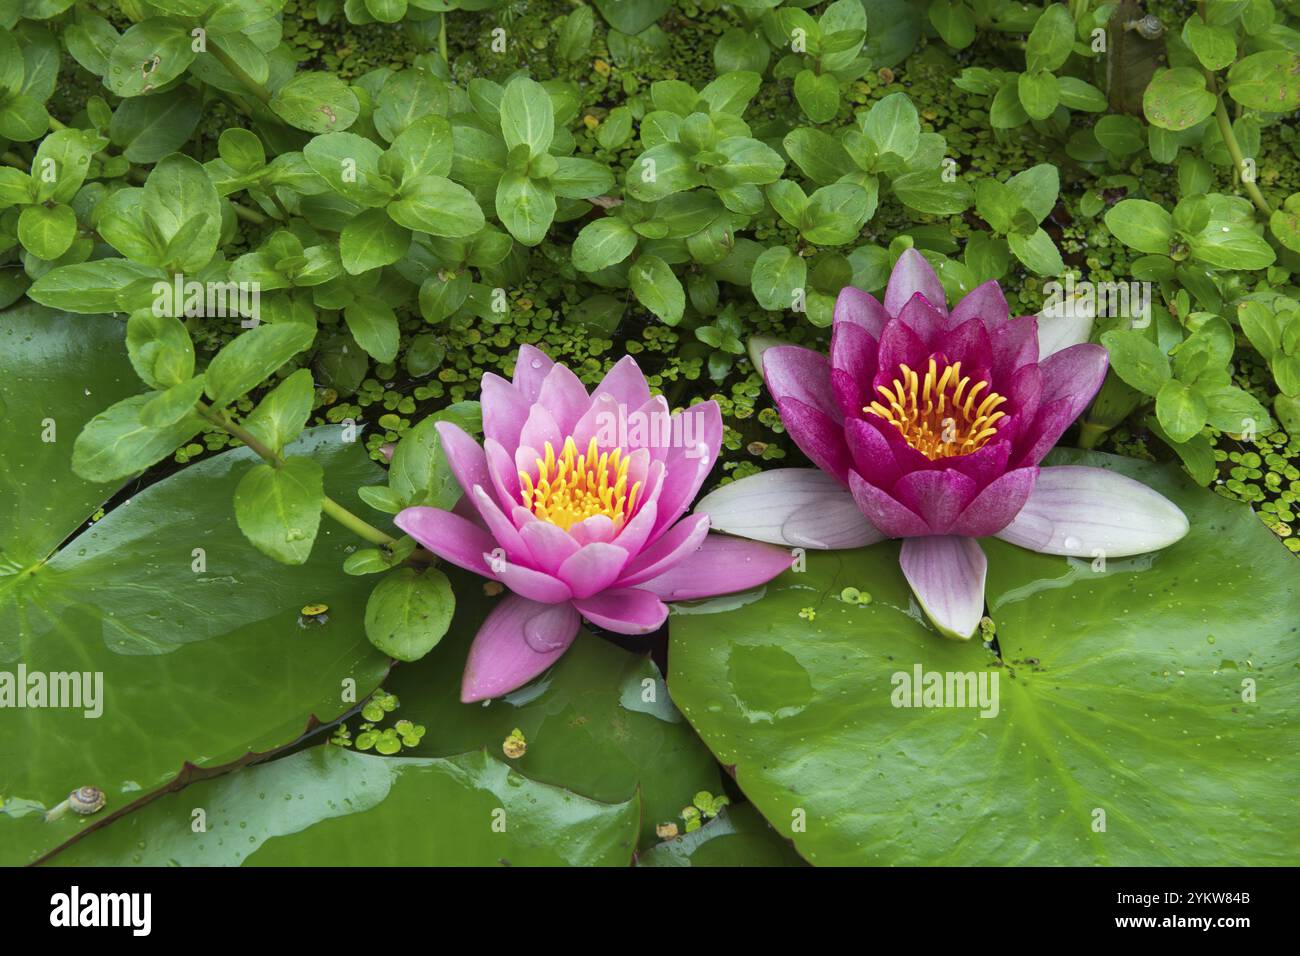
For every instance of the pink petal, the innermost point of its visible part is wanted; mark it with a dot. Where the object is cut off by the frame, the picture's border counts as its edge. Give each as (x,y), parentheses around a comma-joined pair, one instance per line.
(624,610)
(793,372)
(937,496)
(913,274)
(549,545)
(625,383)
(997,505)
(947,575)
(855,307)
(721,565)
(518,640)
(593,568)
(564,396)
(796,507)
(1088,512)
(984,302)
(450,537)
(820,438)
(504,411)
(884,512)
(531,368)
(465,457)
(534,585)
(675,544)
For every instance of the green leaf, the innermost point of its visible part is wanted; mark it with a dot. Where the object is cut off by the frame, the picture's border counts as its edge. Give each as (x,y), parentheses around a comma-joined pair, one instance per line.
(358,811)
(316,102)
(818,95)
(1139,714)
(409,611)
(407,97)
(580,178)
(147,128)
(116,443)
(166,600)
(425,148)
(1215,47)
(61,163)
(23,118)
(779,278)
(160,349)
(662,171)
(370,240)
(1234,410)
(149,56)
(527,116)
(1037,251)
(278,509)
(1177,99)
(1039,94)
(251,356)
(632,16)
(437,206)
(1267,81)
(738,836)
(1037,188)
(1232,246)
(925,190)
(575,36)
(281,416)
(1051,39)
(1181,410)
(821,156)
(893,125)
(419,473)
(373,324)
(1141,225)
(1078,94)
(603,243)
(47,231)
(170,406)
(1137,360)
(835,214)
(657,288)
(350,164)
(525,207)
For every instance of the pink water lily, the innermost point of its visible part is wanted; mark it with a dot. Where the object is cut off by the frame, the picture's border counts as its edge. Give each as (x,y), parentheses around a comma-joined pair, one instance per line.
(929,426)
(575,503)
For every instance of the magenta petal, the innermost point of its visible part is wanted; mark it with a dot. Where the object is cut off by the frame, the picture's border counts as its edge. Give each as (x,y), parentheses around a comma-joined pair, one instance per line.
(686,467)
(853,366)
(913,274)
(675,544)
(821,439)
(504,410)
(984,465)
(517,641)
(550,545)
(502,528)
(625,383)
(855,307)
(624,610)
(997,505)
(531,369)
(937,496)
(720,565)
(634,535)
(947,575)
(969,344)
(899,345)
(1076,373)
(891,518)
(467,460)
(595,528)
(593,568)
(534,585)
(503,473)
(540,428)
(1015,345)
(925,320)
(450,537)
(986,303)
(792,372)
(564,396)
(873,458)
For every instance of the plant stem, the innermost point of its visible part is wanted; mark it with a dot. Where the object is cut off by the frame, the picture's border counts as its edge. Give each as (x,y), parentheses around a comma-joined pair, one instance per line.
(358,526)
(442,39)
(239,73)
(1091,433)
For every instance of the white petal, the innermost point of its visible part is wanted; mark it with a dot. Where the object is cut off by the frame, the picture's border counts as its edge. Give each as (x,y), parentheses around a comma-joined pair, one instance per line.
(798,507)
(1065,323)
(947,575)
(1089,512)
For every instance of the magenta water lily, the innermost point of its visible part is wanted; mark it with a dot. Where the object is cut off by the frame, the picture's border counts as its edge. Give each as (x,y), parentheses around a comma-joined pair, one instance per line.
(929,426)
(575,503)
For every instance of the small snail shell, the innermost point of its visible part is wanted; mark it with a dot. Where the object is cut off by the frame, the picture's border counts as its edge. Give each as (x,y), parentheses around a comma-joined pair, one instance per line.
(86,800)
(1149,27)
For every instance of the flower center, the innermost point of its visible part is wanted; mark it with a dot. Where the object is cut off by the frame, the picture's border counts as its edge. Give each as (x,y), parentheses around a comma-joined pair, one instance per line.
(574,487)
(942,415)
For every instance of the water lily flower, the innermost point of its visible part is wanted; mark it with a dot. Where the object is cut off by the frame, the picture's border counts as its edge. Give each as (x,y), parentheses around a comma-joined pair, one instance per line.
(575,502)
(929,426)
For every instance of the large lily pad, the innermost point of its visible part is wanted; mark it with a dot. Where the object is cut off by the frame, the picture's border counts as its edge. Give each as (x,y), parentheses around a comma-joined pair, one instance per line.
(129,599)
(1126,730)
(332,807)
(599,722)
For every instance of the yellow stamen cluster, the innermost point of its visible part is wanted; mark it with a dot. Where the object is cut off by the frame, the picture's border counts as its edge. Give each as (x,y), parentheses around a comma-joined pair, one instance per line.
(943,415)
(574,486)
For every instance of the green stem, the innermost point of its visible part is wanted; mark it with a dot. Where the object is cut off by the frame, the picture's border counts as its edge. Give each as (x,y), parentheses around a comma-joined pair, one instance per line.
(1225,128)
(442,39)
(358,526)
(1090,434)
(238,72)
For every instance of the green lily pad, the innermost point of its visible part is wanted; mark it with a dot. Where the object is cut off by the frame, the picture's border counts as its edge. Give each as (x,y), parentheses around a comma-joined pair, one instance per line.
(600,722)
(738,836)
(1144,712)
(333,807)
(193,634)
